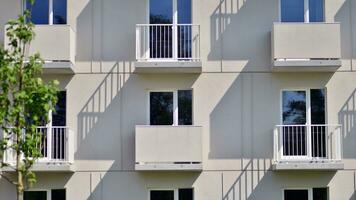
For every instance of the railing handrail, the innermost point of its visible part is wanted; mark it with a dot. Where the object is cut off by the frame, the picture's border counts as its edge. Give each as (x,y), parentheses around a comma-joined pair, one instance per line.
(64,127)
(57,145)
(308,142)
(299,125)
(167,24)
(168,42)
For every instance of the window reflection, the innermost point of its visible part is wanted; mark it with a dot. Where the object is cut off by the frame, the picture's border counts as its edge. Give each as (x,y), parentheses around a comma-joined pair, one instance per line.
(316,10)
(39,11)
(292,10)
(59,11)
(294,107)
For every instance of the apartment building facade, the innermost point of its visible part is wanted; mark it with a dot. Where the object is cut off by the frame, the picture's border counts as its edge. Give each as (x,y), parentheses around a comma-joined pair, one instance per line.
(196,99)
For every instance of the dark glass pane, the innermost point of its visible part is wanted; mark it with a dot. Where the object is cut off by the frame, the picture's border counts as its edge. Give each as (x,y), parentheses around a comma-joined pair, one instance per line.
(59,194)
(320,193)
(184,11)
(292,10)
(316,10)
(318,137)
(35,195)
(59,115)
(294,107)
(317,101)
(185,194)
(295,194)
(39,11)
(59,11)
(185,111)
(184,31)
(161,11)
(161,108)
(162,195)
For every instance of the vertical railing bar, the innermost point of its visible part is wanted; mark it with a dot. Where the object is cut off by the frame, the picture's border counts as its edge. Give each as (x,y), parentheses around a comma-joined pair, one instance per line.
(160,41)
(293,148)
(164,42)
(296,142)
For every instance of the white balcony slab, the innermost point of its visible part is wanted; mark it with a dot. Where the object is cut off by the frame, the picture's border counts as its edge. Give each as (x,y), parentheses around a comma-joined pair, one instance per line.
(304,47)
(168,148)
(168,67)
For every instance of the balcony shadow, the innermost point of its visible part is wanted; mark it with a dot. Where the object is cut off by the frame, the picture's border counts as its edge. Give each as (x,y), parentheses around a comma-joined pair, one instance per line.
(45,180)
(101,42)
(345,18)
(100,119)
(128,185)
(256,184)
(347,119)
(238,33)
(237,128)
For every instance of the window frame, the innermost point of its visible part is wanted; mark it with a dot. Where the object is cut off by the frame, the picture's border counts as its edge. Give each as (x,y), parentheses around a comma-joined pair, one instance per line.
(50,12)
(175,106)
(306,12)
(307,100)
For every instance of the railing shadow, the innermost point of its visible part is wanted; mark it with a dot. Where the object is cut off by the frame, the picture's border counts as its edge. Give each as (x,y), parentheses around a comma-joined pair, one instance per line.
(347,119)
(239,35)
(100,119)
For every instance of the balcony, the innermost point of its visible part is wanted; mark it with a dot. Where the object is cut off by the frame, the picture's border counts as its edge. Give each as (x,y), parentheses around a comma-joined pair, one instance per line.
(301,47)
(167,48)
(56,44)
(308,147)
(57,148)
(164,148)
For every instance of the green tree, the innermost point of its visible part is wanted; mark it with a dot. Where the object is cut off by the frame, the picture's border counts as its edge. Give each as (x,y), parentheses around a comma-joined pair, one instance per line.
(25,101)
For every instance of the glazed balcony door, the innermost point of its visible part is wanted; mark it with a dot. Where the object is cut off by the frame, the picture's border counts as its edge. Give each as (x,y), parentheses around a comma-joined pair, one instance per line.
(170,29)
(304,130)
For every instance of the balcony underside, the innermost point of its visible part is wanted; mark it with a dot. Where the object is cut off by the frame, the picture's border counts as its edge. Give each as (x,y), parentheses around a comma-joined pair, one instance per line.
(306,65)
(168,67)
(308,166)
(58,67)
(168,167)
(47,167)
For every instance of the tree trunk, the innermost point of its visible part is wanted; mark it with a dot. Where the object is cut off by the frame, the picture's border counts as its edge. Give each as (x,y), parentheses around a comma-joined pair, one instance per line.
(19,185)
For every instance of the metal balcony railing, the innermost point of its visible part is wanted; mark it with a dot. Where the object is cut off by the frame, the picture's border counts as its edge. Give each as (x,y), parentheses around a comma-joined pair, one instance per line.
(55,145)
(167,42)
(307,143)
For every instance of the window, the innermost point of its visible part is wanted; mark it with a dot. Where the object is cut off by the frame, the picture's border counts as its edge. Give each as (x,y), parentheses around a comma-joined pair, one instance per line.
(306,194)
(55,194)
(173,194)
(296,104)
(302,10)
(299,109)
(171,108)
(48,11)
(173,37)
